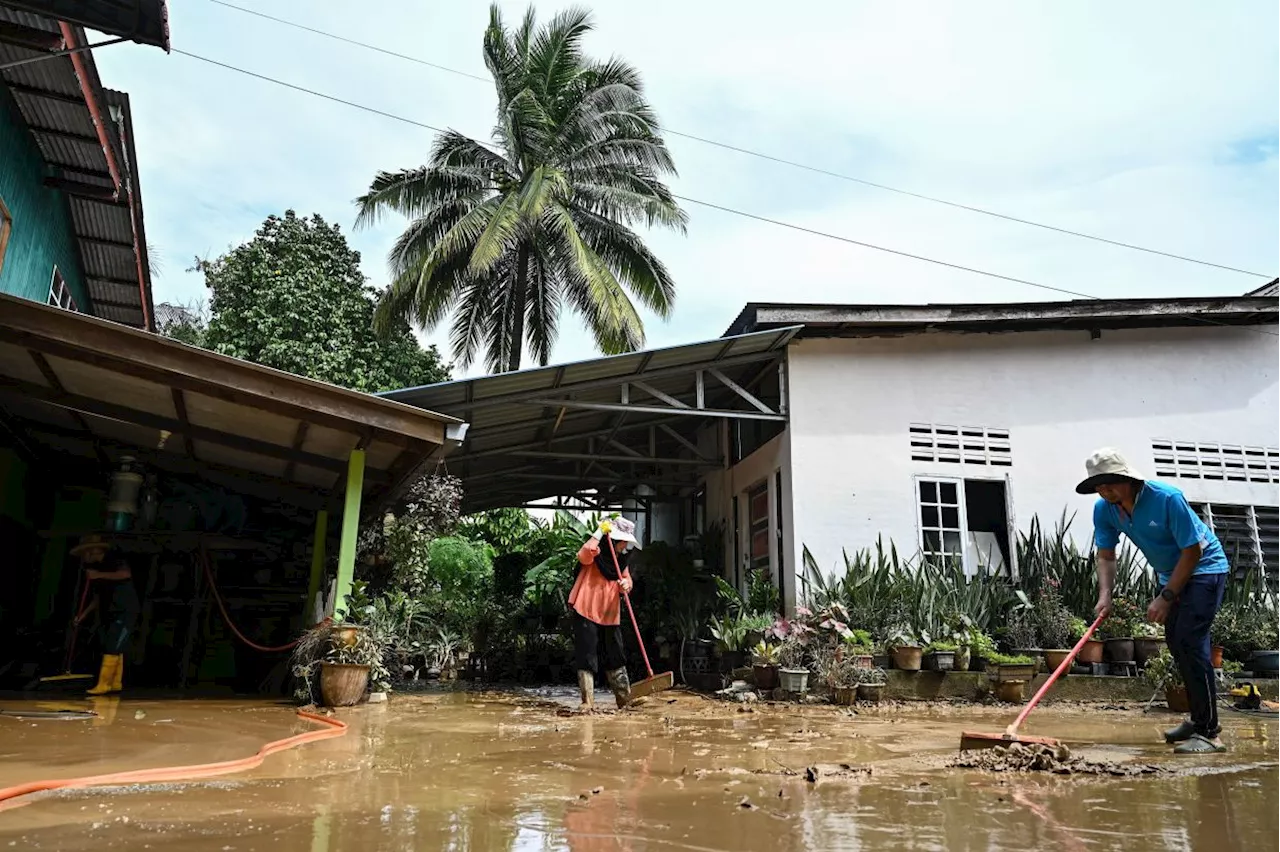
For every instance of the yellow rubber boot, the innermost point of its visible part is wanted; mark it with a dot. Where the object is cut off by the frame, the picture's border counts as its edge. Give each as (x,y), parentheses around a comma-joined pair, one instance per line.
(109,675)
(117,677)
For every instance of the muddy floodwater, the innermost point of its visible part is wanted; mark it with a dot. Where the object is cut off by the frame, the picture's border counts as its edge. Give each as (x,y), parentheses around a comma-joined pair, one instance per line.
(503,771)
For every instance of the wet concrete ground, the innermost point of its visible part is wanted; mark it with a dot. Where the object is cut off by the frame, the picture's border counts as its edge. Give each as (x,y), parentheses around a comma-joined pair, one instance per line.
(505,772)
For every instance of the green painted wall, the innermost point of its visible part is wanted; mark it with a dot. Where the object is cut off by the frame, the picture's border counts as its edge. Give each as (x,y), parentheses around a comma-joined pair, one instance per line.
(75,510)
(42,234)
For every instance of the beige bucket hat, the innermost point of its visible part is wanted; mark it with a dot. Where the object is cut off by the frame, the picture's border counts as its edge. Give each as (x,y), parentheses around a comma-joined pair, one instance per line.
(620,529)
(1106,465)
(93,541)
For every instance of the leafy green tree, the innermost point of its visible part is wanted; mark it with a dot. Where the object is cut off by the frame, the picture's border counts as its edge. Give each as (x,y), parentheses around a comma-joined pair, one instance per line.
(503,235)
(293,298)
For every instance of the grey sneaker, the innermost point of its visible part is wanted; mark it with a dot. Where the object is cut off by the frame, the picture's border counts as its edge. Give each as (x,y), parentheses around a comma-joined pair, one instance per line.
(1182,733)
(1200,744)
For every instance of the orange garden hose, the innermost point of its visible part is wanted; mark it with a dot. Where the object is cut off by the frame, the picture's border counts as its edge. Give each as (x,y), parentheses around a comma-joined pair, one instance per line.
(222,607)
(13,796)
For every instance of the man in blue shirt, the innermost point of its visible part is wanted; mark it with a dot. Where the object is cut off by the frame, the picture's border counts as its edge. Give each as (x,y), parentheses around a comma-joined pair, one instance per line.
(1192,570)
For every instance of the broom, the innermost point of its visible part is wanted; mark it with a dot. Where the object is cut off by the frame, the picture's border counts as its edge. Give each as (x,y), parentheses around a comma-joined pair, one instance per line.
(653,683)
(972,740)
(68,677)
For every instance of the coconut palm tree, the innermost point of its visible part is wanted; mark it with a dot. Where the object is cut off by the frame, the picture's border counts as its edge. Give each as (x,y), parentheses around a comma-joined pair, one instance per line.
(503,234)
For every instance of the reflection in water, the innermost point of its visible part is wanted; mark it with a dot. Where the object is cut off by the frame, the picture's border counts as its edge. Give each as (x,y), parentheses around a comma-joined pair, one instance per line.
(488,773)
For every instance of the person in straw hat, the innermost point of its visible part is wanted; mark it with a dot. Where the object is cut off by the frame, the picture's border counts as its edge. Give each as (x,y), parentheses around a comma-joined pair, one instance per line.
(1190,565)
(117,599)
(596,603)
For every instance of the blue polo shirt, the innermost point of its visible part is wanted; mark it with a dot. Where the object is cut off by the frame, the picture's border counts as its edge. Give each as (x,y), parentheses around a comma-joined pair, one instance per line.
(1163,523)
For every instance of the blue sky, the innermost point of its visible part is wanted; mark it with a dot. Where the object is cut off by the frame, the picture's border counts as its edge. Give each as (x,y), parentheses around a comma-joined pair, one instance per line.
(1149,122)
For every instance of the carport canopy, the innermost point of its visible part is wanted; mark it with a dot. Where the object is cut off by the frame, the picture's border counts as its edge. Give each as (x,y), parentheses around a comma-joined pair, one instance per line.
(610,429)
(78,385)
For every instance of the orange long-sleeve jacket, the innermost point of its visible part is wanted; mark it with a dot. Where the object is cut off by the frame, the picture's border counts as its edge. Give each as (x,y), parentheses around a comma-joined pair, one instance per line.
(594,596)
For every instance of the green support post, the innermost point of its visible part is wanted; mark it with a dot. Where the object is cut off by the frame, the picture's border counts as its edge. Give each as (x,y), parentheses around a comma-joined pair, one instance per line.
(350,530)
(317,561)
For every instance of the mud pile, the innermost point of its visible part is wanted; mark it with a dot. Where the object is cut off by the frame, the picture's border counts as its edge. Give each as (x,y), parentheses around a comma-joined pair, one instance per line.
(1021,757)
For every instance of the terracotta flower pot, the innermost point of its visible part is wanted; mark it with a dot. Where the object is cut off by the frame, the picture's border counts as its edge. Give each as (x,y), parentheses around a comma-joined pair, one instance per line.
(1054,658)
(1091,652)
(1012,691)
(1176,698)
(342,685)
(845,695)
(907,658)
(1215,656)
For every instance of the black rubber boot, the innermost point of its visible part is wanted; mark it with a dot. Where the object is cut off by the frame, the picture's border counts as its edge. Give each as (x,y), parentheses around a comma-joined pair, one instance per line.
(621,686)
(1180,734)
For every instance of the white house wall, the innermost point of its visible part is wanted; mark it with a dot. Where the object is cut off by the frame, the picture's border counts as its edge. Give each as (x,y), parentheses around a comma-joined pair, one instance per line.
(1060,395)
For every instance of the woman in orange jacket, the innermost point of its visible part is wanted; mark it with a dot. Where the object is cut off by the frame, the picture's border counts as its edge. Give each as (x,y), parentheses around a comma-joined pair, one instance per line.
(595,600)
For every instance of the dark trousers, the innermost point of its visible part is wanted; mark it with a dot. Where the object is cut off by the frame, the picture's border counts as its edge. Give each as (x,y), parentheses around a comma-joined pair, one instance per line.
(587,639)
(1187,634)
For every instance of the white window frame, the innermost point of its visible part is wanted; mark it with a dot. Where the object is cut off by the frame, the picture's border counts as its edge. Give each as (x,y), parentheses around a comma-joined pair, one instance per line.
(921,529)
(970,569)
(60,290)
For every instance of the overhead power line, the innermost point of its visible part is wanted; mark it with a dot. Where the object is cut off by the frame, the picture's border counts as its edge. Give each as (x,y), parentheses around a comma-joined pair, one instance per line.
(699,202)
(775,159)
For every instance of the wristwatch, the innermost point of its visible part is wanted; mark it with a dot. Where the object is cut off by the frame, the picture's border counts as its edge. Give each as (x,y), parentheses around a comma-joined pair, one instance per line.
(1168,594)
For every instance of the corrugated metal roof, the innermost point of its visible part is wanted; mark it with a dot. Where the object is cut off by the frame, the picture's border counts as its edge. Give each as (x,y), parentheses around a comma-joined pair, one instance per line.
(49,96)
(871,320)
(567,414)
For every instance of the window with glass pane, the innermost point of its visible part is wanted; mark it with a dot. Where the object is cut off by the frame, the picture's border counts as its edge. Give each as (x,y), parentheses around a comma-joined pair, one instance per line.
(940,524)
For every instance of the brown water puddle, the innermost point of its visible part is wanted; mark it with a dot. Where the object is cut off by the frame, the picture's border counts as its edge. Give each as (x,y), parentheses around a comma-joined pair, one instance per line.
(502,772)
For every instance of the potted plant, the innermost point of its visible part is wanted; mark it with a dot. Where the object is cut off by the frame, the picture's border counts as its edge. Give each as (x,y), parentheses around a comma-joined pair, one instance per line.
(906,649)
(793,674)
(1266,659)
(1021,635)
(1006,667)
(1118,630)
(730,634)
(443,654)
(347,670)
(940,656)
(1148,638)
(871,684)
(1092,650)
(843,676)
(764,664)
(1054,626)
(1162,671)
(1239,632)
(858,647)
(981,646)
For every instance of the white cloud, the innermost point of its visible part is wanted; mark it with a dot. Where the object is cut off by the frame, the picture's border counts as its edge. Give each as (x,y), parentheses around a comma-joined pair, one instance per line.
(1153,123)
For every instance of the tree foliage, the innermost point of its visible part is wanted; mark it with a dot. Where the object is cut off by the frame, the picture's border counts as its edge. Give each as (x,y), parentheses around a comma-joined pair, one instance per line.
(503,234)
(293,298)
